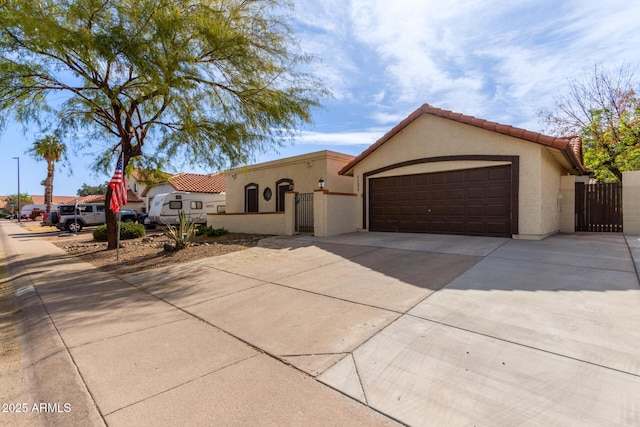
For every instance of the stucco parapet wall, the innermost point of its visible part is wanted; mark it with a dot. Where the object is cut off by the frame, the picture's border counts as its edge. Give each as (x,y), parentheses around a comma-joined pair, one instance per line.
(310,157)
(244,213)
(332,193)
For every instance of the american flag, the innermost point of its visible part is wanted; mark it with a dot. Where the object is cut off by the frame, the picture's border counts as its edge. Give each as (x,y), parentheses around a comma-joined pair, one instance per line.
(119,189)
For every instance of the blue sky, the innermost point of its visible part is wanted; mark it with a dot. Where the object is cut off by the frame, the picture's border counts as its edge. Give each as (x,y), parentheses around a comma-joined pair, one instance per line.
(494,59)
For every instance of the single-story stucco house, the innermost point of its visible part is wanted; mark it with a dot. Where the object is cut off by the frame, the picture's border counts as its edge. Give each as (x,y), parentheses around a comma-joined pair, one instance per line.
(257,194)
(435,172)
(261,187)
(442,172)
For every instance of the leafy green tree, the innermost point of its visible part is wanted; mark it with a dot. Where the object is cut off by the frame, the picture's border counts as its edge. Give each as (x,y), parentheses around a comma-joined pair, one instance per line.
(207,81)
(51,150)
(602,107)
(12,199)
(89,190)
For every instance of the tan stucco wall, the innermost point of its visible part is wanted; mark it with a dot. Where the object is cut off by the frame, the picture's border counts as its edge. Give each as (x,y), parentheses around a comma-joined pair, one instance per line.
(550,196)
(429,136)
(254,223)
(568,201)
(333,213)
(304,170)
(631,202)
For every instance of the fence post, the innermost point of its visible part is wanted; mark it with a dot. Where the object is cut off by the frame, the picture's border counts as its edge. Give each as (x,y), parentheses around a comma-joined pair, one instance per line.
(567,202)
(320,213)
(631,202)
(290,213)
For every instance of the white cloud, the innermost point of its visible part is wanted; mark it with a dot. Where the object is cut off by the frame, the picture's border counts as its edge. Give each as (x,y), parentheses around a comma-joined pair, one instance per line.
(493,59)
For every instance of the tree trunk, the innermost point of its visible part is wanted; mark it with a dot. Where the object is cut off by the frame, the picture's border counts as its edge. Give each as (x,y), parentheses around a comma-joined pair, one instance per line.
(48,189)
(112,217)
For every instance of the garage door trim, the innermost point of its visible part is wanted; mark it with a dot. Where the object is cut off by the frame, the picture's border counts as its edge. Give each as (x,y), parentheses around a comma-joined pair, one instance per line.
(515,173)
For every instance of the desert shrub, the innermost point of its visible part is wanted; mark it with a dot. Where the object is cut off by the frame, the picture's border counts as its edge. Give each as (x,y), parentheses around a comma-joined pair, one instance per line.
(184,232)
(131,230)
(128,230)
(211,232)
(100,233)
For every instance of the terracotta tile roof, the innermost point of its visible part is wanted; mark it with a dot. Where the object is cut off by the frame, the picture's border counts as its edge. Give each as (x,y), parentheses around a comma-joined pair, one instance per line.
(92,198)
(132,198)
(198,183)
(100,198)
(39,200)
(572,146)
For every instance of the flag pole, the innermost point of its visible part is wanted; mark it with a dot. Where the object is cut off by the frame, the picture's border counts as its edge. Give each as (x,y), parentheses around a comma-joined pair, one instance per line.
(118,239)
(119,217)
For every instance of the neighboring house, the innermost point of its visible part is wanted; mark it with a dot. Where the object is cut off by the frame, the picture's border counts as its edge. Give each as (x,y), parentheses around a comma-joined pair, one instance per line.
(190,182)
(133,201)
(444,172)
(137,183)
(56,200)
(36,200)
(261,187)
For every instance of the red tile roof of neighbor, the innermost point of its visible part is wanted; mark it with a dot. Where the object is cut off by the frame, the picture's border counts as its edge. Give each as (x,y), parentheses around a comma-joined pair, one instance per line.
(198,183)
(100,198)
(572,146)
(39,200)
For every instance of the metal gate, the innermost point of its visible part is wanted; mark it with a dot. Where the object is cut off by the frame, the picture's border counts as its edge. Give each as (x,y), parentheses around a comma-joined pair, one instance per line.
(599,207)
(304,212)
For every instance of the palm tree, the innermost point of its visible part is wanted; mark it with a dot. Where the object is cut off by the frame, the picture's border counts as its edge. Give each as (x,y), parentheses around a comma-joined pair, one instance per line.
(51,149)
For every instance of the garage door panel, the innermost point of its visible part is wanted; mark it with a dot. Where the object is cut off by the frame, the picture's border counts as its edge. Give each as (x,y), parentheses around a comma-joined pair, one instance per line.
(497,227)
(406,181)
(455,177)
(438,196)
(455,227)
(476,175)
(456,194)
(475,193)
(455,211)
(497,191)
(421,195)
(422,181)
(474,201)
(499,174)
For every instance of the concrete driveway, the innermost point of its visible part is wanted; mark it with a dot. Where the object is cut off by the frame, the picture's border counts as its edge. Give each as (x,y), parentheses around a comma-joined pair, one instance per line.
(439,330)
(423,329)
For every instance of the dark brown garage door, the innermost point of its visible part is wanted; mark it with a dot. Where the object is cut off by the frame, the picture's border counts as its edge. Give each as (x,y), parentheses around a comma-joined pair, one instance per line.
(473,202)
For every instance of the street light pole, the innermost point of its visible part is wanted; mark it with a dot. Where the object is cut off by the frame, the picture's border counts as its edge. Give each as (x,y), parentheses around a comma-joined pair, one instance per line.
(19,212)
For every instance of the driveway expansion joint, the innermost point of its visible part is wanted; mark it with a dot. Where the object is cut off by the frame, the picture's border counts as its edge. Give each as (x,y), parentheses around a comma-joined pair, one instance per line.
(215,371)
(523,345)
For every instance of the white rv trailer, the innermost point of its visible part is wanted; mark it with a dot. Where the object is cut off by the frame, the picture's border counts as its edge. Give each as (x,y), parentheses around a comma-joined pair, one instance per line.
(165,207)
(27,210)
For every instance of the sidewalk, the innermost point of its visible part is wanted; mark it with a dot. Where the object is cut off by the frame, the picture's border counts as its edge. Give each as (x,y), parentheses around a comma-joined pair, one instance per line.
(424,329)
(99,351)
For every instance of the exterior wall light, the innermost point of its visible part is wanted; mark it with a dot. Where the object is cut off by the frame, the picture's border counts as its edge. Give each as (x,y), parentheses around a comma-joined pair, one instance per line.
(321,183)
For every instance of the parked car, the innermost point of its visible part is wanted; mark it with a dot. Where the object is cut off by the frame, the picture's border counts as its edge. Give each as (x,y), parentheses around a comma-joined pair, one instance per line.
(88,214)
(129,215)
(73,220)
(49,219)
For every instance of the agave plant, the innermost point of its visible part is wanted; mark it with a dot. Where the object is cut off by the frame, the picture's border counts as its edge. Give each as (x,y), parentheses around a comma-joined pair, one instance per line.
(184,232)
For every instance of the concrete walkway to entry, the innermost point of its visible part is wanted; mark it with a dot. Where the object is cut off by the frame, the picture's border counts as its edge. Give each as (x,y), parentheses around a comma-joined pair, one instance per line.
(360,329)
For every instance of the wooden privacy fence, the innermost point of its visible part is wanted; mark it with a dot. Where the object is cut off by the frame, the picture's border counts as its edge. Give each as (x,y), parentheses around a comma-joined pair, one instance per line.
(599,207)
